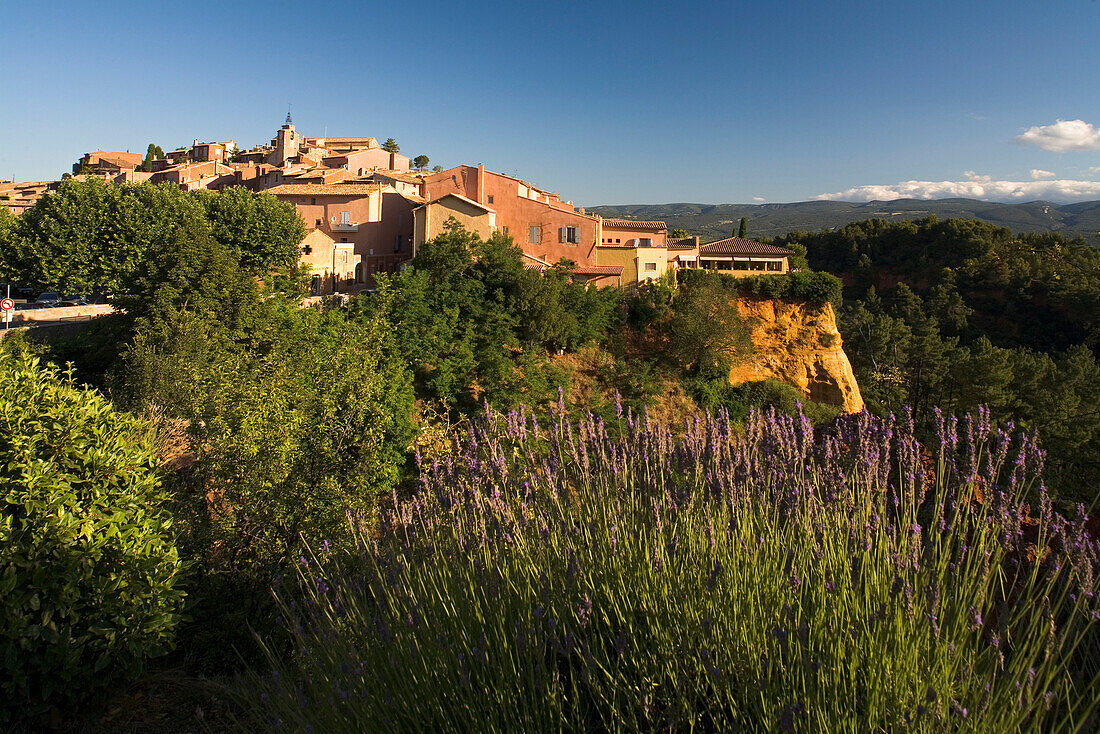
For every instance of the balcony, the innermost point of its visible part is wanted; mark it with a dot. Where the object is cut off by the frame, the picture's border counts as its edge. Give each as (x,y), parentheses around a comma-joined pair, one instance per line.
(345,226)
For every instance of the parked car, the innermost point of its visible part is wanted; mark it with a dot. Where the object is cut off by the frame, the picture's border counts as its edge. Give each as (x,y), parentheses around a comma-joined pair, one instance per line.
(47,300)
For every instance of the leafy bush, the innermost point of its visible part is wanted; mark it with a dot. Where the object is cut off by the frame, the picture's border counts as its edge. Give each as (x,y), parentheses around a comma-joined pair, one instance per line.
(815,287)
(88,569)
(716,392)
(706,333)
(470,320)
(282,437)
(554,577)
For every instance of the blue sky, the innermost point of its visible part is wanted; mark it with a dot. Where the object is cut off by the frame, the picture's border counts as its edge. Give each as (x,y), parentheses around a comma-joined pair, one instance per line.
(602,102)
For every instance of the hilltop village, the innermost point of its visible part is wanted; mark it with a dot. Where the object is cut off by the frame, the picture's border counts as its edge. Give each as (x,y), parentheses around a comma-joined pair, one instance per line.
(367,211)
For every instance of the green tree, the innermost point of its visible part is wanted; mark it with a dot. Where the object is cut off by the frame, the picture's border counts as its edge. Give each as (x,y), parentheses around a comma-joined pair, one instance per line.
(261,231)
(89,586)
(420,162)
(151,154)
(678,234)
(743,228)
(192,271)
(706,333)
(8,248)
(472,322)
(391,146)
(90,236)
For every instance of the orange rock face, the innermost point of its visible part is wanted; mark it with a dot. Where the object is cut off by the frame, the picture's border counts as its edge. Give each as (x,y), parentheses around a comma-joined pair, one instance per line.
(798,343)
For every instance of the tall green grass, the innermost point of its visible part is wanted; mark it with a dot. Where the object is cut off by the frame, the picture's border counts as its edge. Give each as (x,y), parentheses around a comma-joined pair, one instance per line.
(571,577)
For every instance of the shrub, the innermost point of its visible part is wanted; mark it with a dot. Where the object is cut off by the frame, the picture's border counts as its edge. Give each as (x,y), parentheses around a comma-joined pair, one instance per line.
(814,287)
(706,333)
(88,568)
(559,578)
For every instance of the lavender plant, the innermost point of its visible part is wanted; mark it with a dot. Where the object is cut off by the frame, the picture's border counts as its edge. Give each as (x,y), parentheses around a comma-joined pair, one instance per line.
(553,576)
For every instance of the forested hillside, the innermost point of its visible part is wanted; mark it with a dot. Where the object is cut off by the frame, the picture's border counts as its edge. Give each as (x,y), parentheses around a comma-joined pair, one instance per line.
(715,221)
(952,315)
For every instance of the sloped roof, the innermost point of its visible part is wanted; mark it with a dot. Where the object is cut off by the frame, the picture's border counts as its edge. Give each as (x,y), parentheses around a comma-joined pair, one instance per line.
(597,270)
(681,243)
(336,189)
(398,175)
(634,226)
(739,246)
(460,197)
(531,262)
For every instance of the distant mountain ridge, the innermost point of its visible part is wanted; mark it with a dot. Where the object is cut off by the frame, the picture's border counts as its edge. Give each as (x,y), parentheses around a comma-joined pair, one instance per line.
(715,221)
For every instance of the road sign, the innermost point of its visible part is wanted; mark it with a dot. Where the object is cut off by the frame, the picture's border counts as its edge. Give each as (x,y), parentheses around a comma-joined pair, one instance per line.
(7,304)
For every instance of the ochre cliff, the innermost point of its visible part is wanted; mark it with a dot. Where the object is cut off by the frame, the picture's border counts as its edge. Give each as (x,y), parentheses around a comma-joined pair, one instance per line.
(798,343)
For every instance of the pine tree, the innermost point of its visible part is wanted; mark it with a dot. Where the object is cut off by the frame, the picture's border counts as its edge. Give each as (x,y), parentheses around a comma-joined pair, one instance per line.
(391,146)
(743,228)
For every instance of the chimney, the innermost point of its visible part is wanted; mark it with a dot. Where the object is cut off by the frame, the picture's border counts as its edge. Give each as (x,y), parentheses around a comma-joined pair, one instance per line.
(481,184)
(393,161)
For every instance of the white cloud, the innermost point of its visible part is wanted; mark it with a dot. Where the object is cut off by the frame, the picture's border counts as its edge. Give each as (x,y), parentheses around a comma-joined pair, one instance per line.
(1094,169)
(974,187)
(1063,135)
(758,198)
(1038,173)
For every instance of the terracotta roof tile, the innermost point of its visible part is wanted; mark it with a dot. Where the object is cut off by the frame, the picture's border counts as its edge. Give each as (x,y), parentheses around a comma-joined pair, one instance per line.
(739,246)
(634,226)
(597,270)
(336,189)
(681,243)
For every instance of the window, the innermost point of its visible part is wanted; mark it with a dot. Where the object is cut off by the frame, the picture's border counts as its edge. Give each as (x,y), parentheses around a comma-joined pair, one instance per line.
(645,242)
(504,230)
(651,267)
(618,241)
(313,200)
(775,266)
(345,217)
(343,239)
(534,234)
(740,264)
(317,223)
(397,243)
(307,249)
(489,198)
(568,234)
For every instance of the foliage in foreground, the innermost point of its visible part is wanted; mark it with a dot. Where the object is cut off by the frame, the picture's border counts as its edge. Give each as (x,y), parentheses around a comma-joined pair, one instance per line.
(551,577)
(88,566)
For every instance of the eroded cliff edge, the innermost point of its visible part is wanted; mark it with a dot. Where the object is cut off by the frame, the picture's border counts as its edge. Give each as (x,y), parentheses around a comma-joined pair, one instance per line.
(798,343)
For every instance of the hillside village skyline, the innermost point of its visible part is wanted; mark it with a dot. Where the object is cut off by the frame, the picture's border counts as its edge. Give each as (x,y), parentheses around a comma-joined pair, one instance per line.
(367,207)
(743,103)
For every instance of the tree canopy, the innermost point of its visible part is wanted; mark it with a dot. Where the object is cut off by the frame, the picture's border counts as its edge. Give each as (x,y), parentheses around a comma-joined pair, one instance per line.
(153,153)
(93,236)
